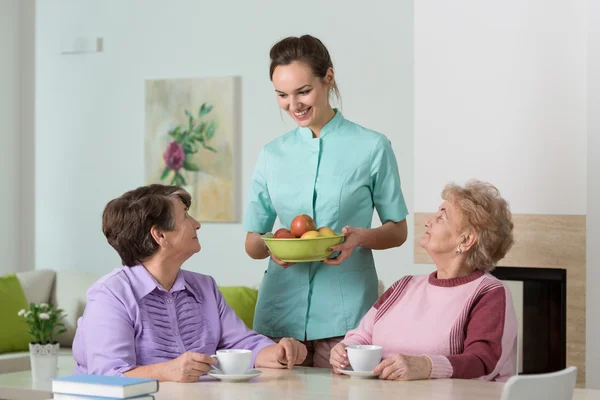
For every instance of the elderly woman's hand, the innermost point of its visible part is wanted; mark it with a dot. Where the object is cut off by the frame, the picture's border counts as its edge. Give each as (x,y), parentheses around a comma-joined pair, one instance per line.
(404,368)
(338,358)
(353,238)
(188,367)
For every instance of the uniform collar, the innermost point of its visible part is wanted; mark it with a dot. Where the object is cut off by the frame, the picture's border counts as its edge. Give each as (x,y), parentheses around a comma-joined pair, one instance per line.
(331,126)
(144,283)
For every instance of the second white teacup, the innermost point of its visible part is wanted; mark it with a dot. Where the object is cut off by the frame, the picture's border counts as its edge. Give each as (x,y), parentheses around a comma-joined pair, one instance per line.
(364,357)
(234,362)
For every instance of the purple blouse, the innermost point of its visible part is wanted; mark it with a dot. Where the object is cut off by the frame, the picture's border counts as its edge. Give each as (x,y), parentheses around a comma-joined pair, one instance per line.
(131,320)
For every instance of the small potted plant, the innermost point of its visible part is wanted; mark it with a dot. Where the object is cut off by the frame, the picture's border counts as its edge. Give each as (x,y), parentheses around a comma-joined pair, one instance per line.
(45,324)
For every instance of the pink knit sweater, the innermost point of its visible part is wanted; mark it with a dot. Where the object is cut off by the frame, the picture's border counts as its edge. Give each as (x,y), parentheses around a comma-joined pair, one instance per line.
(466,326)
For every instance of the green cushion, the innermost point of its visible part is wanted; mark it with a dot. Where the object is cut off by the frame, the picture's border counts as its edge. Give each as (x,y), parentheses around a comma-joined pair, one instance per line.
(243,301)
(13,330)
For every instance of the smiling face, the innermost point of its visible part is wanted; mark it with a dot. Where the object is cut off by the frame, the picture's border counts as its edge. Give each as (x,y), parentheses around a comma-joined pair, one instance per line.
(442,231)
(182,241)
(304,96)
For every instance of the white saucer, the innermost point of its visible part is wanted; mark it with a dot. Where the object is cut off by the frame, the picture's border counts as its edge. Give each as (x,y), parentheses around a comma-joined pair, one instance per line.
(358,374)
(251,373)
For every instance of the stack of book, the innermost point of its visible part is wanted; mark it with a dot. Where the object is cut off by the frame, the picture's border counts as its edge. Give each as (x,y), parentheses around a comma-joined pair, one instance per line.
(98,387)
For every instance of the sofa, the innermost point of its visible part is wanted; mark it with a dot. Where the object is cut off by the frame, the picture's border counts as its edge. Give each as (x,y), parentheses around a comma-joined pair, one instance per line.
(64,289)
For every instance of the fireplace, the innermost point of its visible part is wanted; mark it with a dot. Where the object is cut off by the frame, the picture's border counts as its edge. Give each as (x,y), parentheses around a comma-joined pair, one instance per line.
(540,298)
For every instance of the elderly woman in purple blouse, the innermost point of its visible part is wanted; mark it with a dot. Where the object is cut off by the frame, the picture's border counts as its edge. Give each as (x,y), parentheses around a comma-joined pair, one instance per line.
(152,319)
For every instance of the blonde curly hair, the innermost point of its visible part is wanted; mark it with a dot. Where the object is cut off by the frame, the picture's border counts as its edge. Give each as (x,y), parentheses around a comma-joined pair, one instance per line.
(486,213)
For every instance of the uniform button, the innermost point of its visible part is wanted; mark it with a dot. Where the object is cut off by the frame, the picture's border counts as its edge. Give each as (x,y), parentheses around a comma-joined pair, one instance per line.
(176,332)
(169,300)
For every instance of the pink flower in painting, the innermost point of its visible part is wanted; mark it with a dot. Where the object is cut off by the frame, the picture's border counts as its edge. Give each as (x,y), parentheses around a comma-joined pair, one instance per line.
(174,156)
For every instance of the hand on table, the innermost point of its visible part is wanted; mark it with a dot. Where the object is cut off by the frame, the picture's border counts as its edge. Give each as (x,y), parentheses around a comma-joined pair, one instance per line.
(188,367)
(338,358)
(404,368)
(290,352)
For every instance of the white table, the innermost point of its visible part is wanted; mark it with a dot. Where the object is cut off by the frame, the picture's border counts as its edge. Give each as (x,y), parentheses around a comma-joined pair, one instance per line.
(20,385)
(313,383)
(299,383)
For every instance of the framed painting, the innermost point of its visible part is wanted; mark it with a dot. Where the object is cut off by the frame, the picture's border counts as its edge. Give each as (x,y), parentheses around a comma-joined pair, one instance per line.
(192,131)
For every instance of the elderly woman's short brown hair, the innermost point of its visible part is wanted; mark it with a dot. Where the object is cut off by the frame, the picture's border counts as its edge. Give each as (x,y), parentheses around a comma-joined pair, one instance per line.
(486,213)
(126,220)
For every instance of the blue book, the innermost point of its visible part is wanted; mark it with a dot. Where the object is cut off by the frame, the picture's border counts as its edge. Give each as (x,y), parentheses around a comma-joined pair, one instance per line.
(116,387)
(60,396)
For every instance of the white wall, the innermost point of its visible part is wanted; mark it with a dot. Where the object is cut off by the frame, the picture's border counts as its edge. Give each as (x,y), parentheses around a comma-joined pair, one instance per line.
(90,108)
(27,135)
(500,96)
(9,135)
(593,195)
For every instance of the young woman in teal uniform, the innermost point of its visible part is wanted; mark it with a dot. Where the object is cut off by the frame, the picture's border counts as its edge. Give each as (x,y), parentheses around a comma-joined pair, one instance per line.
(338,172)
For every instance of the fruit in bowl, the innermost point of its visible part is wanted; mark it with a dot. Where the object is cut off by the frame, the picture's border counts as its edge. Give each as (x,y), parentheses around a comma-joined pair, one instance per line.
(303,242)
(326,231)
(283,234)
(310,234)
(302,224)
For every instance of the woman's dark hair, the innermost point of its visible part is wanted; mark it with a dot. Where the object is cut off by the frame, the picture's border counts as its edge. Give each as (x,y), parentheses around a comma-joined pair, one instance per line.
(307,49)
(127,220)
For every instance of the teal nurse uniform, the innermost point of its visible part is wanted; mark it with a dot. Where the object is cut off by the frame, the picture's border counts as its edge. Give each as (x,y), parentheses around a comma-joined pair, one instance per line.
(338,179)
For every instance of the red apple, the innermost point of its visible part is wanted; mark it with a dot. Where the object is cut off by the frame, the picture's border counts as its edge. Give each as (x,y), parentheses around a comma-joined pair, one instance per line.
(283,234)
(302,224)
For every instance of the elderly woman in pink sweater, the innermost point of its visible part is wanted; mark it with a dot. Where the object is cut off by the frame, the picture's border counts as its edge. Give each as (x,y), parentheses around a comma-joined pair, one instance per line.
(458,322)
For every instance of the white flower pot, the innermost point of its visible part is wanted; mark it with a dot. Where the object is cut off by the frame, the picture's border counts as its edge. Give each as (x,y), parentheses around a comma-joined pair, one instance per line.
(44,361)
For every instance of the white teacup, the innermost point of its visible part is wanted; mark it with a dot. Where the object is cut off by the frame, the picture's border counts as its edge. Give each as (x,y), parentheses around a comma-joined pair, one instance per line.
(364,358)
(234,362)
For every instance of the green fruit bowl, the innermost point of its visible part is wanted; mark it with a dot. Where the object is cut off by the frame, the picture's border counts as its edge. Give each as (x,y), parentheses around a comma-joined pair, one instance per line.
(302,250)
